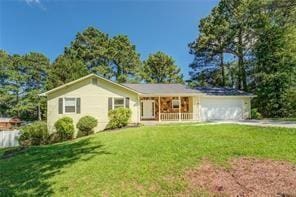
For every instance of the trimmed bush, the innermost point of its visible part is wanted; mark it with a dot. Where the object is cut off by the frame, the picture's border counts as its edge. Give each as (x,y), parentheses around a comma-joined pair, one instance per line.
(255,114)
(35,133)
(86,124)
(118,118)
(65,128)
(54,138)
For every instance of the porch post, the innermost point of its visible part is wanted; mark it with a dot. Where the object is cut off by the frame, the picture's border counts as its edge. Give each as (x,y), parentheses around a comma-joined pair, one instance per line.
(179,108)
(159,109)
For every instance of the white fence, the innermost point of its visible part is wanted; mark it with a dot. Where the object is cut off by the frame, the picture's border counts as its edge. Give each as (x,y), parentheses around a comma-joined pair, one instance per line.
(177,116)
(9,138)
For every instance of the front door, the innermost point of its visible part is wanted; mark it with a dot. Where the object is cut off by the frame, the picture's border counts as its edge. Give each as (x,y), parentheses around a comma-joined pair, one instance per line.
(147,109)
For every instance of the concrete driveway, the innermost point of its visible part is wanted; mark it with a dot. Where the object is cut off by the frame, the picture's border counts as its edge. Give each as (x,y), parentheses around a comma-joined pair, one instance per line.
(263,123)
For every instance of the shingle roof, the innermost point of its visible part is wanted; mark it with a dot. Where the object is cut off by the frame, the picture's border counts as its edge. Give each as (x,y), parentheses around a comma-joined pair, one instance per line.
(161,88)
(222,91)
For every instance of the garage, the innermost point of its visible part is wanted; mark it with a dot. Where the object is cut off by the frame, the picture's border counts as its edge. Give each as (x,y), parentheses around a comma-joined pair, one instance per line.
(221,108)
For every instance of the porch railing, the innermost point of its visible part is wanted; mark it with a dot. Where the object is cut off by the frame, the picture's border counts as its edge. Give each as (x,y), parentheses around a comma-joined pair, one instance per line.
(176,116)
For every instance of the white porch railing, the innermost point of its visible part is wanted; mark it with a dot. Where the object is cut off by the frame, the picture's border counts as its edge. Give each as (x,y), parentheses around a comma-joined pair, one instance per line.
(186,116)
(176,116)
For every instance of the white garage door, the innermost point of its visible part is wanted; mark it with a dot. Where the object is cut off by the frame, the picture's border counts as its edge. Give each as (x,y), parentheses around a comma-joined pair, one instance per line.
(221,108)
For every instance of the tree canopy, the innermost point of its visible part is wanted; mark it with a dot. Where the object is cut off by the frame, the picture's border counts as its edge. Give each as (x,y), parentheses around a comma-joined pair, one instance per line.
(111,57)
(249,45)
(23,77)
(161,68)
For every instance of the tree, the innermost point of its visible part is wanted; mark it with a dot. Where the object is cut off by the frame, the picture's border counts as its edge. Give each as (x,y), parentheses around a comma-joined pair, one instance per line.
(114,57)
(22,79)
(91,47)
(5,97)
(161,68)
(228,31)
(275,62)
(261,35)
(209,47)
(125,61)
(65,69)
(32,104)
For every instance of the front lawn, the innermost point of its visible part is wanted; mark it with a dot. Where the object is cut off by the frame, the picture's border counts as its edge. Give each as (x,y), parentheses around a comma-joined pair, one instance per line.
(137,161)
(284,119)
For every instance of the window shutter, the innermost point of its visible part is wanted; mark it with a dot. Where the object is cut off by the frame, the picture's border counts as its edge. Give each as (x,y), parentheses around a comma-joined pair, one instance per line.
(110,103)
(78,105)
(60,105)
(127,102)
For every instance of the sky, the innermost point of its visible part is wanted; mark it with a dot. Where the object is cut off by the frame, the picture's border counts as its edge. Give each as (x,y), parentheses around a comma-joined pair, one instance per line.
(48,26)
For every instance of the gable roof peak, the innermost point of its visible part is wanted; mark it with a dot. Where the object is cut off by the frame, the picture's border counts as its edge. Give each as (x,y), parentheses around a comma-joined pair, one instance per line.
(83,78)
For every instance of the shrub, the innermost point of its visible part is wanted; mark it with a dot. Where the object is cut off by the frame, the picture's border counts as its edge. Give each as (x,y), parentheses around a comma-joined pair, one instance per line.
(86,124)
(34,134)
(118,118)
(65,128)
(54,138)
(255,114)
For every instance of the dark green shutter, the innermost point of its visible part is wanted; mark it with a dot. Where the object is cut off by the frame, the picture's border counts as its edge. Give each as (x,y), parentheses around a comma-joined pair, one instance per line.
(78,105)
(60,105)
(127,102)
(110,103)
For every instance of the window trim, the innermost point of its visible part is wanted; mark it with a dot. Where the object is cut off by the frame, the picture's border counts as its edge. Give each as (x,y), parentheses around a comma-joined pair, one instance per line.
(113,102)
(173,104)
(64,105)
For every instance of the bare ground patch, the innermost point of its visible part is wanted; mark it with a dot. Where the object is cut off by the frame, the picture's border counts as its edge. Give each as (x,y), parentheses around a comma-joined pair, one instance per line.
(244,177)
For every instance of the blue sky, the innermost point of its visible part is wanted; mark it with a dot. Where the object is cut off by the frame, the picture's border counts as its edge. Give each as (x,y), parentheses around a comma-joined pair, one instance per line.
(48,26)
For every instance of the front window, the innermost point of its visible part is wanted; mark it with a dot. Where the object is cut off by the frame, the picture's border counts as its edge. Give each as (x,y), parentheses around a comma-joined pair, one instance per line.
(70,105)
(175,104)
(118,102)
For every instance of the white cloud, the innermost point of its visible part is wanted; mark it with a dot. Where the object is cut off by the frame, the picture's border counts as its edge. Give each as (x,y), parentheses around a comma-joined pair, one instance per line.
(32,1)
(36,3)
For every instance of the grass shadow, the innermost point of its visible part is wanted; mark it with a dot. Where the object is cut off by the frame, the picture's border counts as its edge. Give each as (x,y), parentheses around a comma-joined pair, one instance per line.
(27,173)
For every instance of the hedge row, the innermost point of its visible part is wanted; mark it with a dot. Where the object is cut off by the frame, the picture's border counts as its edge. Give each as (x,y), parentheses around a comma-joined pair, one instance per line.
(37,132)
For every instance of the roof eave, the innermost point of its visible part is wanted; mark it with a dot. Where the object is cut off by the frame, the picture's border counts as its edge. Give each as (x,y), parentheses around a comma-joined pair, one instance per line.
(83,78)
(249,96)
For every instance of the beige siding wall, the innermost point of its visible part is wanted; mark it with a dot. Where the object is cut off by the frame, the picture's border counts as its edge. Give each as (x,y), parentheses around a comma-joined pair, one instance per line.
(94,102)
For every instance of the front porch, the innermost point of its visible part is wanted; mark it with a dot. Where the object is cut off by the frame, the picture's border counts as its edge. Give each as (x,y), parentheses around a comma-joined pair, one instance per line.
(164,108)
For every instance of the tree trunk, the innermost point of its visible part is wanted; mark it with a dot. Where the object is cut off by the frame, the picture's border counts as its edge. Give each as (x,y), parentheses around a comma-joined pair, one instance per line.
(118,73)
(240,60)
(244,77)
(239,79)
(17,101)
(232,79)
(39,112)
(242,71)
(222,69)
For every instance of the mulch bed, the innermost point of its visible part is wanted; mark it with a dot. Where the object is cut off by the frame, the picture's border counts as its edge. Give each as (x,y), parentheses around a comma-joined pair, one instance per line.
(245,177)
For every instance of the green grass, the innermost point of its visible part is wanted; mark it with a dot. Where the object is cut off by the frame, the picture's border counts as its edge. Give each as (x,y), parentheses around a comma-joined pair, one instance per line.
(284,119)
(136,161)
